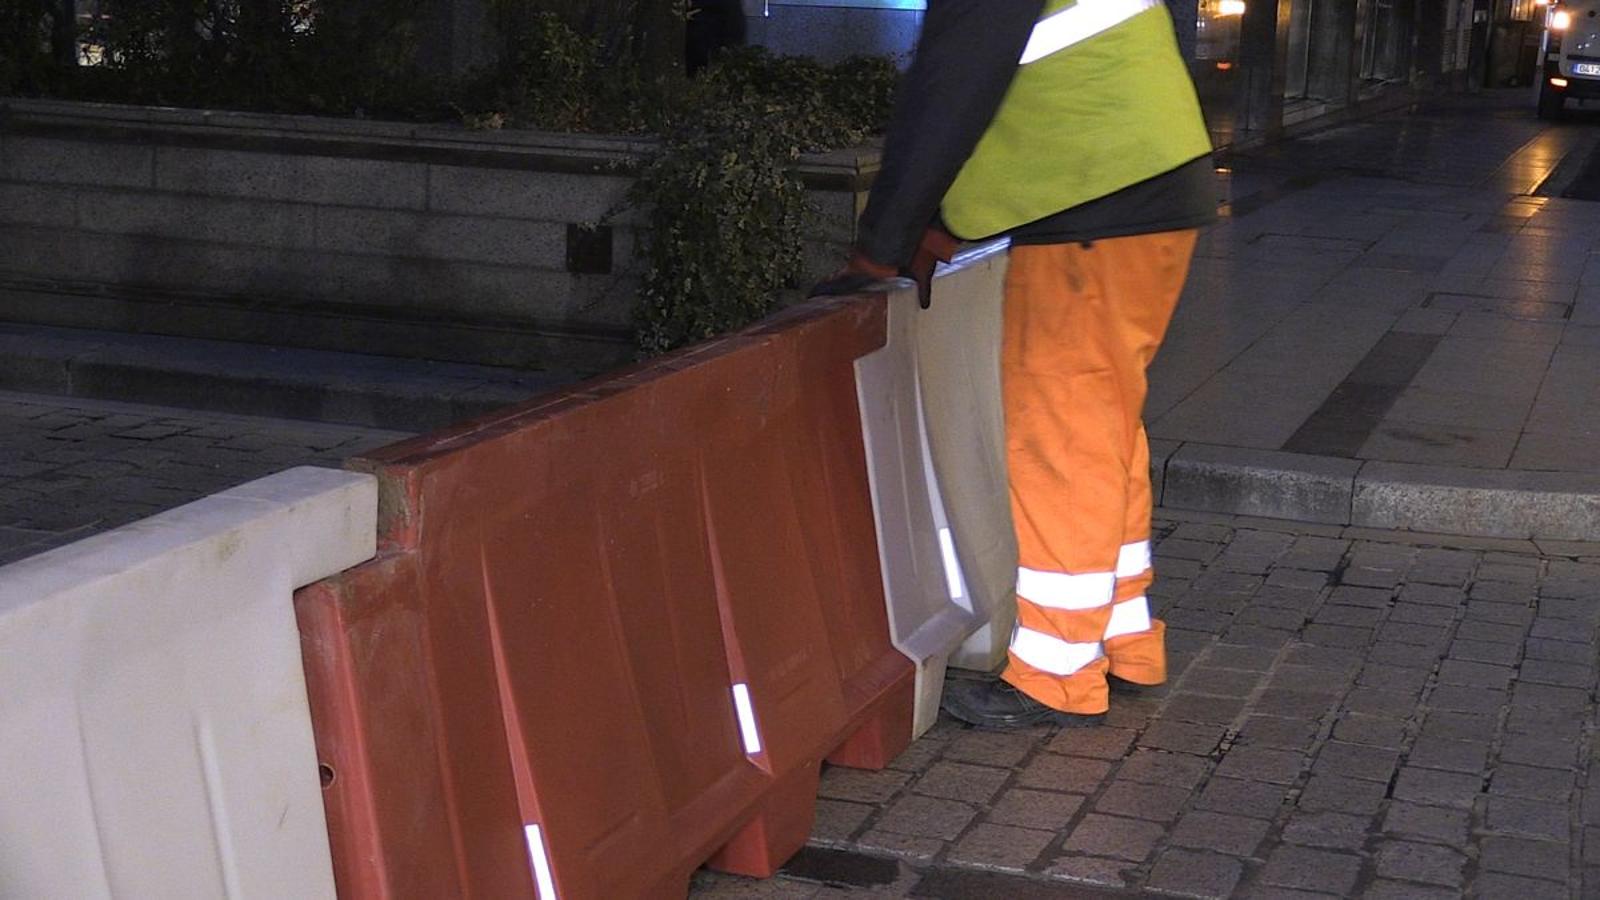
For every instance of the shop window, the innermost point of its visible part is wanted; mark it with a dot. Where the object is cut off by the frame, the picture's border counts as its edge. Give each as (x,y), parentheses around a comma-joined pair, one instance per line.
(1298,68)
(1387,40)
(1217,32)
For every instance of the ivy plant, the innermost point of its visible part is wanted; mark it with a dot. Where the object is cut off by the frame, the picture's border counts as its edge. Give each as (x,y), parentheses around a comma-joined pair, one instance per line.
(728,212)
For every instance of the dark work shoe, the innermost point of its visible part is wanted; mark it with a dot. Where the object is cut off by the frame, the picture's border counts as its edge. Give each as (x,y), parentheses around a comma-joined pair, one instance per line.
(994,703)
(1124,686)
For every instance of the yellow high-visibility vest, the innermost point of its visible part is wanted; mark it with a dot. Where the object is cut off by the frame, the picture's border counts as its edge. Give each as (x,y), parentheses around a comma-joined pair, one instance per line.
(1101,100)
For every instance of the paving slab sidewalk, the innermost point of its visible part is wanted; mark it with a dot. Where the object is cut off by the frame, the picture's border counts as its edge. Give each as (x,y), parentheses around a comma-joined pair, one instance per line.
(1398,291)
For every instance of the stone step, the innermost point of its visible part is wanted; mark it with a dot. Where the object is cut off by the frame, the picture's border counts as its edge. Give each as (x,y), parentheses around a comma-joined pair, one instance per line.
(255,379)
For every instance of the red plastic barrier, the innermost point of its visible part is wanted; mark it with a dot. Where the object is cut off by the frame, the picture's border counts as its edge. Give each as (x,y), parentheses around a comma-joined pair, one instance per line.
(570,594)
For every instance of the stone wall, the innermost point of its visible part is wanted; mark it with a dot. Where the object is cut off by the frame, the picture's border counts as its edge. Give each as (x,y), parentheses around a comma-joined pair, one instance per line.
(389,238)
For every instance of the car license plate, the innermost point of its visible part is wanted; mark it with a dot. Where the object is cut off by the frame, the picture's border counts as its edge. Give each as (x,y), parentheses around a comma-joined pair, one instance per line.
(1586,69)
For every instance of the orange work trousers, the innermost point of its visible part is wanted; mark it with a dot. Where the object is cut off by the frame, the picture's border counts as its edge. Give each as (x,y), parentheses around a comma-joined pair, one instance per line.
(1082,323)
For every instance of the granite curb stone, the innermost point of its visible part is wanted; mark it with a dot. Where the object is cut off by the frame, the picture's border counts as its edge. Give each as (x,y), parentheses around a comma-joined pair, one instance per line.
(1388,496)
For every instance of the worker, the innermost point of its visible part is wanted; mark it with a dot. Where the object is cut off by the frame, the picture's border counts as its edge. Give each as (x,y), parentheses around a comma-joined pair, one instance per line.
(1073,129)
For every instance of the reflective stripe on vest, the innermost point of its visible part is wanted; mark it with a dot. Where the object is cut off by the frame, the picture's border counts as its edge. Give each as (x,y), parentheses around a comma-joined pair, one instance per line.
(1079,22)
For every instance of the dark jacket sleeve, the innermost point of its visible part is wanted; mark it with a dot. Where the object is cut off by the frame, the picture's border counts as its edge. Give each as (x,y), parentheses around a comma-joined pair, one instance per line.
(965,60)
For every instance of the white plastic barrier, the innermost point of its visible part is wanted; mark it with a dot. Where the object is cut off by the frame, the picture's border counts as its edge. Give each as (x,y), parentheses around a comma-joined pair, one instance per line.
(922,402)
(928,617)
(154,734)
(958,344)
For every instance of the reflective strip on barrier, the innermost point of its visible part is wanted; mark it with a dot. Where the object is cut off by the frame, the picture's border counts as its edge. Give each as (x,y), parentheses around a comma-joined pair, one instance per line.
(954,581)
(1134,559)
(1129,617)
(541,863)
(1062,590)
(1078,23)
(1052,654)
(747,719)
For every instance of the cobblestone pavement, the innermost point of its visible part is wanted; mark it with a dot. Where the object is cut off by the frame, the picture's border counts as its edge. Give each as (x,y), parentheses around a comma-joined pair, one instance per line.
(1350,713)
(70,468)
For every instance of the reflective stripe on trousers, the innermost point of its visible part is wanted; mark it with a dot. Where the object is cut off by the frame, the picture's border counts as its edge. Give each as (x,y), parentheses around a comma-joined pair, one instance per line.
(1058,657)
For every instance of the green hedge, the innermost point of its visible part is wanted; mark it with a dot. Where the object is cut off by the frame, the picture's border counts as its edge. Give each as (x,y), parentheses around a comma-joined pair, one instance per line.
(727,213)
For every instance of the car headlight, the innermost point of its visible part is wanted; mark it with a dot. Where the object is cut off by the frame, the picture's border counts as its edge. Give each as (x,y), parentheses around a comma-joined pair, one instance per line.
(1560,20)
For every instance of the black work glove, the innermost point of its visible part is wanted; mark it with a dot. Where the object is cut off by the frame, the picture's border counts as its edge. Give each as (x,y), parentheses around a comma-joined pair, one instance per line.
(861,272)
(857,275)
(937,246)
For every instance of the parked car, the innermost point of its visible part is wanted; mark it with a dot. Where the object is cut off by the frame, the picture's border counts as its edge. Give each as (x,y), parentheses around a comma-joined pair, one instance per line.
(1571,52)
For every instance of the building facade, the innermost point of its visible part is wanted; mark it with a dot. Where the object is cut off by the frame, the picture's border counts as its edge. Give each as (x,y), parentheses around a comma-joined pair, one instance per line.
(1260,65)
